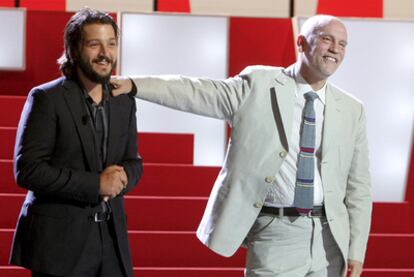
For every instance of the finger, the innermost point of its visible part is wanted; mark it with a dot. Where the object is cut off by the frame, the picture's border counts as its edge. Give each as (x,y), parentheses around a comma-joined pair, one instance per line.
(109,170)
(124,184)
(121,174)
(354,272)
(116,90)
(118,190)
(124,178)
(105,198)
(114,78)
(120,184)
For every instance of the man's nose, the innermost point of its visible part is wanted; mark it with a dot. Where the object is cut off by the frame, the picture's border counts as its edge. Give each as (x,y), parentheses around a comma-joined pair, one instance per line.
(334,48)
(103,50)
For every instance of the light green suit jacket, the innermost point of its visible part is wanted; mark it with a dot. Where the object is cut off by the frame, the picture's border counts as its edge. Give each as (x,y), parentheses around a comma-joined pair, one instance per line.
(258,105)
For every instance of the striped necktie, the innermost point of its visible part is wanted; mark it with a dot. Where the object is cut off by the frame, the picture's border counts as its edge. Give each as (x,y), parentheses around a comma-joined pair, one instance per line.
(303,200)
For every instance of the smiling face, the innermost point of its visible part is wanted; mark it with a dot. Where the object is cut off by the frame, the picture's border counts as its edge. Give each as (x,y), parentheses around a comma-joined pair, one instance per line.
(98,51)
(321,49)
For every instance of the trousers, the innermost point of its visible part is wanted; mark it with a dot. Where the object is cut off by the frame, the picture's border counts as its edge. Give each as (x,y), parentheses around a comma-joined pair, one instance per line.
(292,247)
(100,257)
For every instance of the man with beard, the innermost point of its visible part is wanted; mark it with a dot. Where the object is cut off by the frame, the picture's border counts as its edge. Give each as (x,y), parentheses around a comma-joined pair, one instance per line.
(76,154)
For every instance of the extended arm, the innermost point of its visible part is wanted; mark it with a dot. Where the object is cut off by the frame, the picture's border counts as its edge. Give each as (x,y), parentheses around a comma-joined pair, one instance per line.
(208,97)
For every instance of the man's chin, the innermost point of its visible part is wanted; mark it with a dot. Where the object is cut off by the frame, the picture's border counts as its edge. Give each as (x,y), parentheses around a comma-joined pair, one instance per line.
(103,73)
(328,72)
(102,77)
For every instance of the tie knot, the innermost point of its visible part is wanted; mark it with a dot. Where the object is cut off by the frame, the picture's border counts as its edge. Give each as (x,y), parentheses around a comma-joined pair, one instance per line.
(310,96)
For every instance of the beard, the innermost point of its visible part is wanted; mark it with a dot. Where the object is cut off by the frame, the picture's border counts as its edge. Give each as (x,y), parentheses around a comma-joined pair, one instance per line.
(91,74)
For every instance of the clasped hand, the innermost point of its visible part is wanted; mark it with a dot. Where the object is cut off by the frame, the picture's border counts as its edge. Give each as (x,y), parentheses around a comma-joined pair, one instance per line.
(112,181)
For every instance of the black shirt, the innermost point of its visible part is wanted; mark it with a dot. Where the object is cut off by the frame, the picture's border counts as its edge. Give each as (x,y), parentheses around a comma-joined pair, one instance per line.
(99,117)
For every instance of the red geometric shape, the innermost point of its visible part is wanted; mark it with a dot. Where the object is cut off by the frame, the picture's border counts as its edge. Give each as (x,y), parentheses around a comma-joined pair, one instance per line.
(182,6)
(351,8)
(41,5)
(6,3)
(10,107)
(168,180)
(166,148)
(385,221)
(267,41)
(7,138)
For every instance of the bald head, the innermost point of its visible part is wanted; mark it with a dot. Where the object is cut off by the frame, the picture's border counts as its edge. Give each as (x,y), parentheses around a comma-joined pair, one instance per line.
(315,23)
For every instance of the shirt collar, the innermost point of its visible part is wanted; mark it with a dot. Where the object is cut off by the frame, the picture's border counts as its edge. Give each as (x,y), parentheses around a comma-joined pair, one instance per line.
(303,87)
(105,95)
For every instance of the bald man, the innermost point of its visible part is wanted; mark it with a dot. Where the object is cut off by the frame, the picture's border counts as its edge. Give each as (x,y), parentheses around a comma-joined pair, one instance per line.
(299,201)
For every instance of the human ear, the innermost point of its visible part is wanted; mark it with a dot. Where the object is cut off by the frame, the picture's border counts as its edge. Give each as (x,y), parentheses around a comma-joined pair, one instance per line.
(300,43)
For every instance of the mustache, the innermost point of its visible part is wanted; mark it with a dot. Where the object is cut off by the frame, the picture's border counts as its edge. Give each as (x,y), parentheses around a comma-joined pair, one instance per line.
(103,58)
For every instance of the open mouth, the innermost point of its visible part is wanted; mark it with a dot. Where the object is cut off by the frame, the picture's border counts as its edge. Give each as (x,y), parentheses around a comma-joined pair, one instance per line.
(330,59)
(103,64)
(103,61)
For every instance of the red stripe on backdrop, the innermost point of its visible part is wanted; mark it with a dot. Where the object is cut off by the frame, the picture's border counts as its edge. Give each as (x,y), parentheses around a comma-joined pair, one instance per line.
(44,5)
(266,41)
(6,3)
(352,8)
(173,6)
(409,191)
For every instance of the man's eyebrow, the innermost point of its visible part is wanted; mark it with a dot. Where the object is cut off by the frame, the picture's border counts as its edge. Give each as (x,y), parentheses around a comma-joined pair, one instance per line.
(97,39)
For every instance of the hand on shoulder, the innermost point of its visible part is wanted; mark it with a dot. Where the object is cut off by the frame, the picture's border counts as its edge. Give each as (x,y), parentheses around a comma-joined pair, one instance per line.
(121,85)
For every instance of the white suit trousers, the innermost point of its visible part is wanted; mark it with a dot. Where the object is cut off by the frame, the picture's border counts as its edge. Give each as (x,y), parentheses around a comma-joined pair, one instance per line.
(292,247)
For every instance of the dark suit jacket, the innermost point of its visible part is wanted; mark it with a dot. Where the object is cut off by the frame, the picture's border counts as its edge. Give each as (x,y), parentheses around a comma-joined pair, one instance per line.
(56,161)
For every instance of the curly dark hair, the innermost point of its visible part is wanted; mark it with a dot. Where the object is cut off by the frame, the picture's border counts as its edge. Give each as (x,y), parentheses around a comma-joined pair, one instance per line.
(73,35)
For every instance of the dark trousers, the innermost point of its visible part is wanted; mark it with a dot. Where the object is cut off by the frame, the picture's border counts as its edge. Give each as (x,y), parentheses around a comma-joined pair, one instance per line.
(99,258)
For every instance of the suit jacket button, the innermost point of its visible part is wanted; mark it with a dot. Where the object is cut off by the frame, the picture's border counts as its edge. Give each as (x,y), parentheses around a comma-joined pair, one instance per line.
(269,179)
(282,154)
(258,205)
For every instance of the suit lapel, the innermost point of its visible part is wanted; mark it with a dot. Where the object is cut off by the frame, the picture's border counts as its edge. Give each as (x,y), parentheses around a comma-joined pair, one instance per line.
(73,98)
(285,99)
(331,121)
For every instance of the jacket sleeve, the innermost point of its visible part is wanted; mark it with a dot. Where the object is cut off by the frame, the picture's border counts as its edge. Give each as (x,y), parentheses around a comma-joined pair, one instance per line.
(218,99)
(132,161)
(358,198)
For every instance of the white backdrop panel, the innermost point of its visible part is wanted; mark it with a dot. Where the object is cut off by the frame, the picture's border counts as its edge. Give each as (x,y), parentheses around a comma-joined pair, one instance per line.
(379,70)
(177,44)
(12,32)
